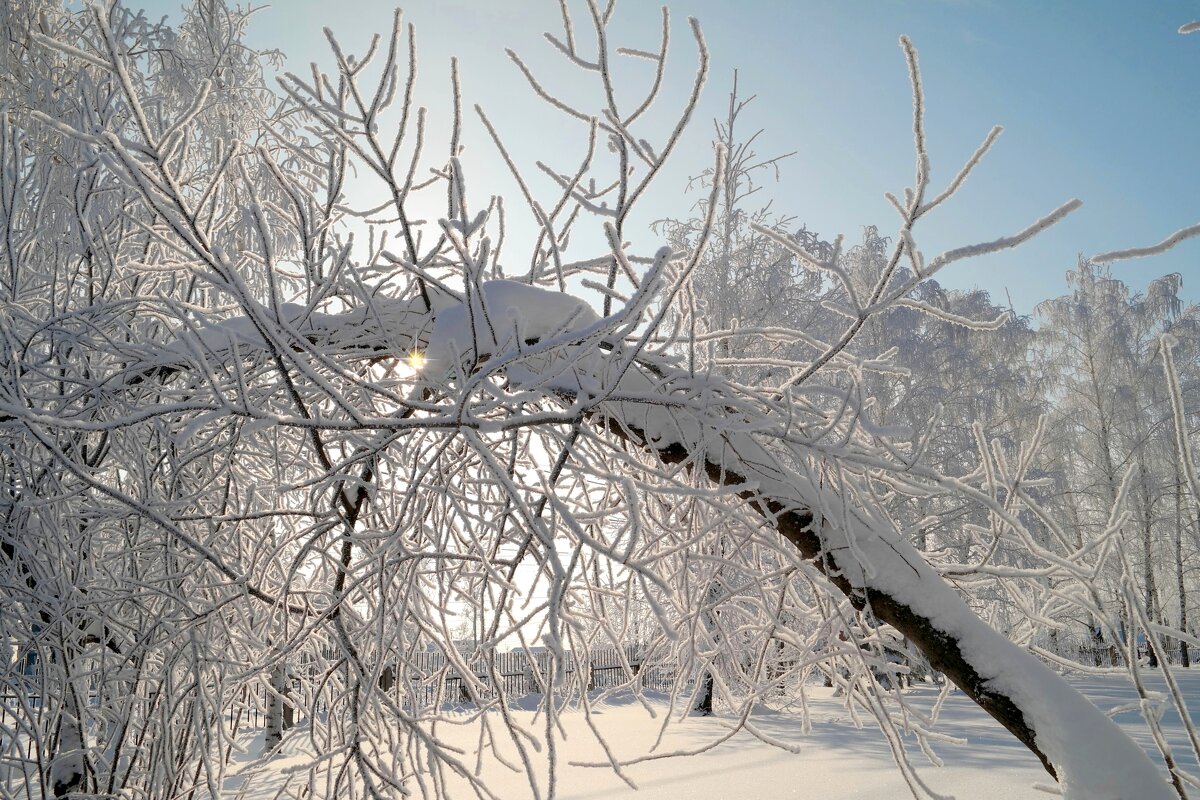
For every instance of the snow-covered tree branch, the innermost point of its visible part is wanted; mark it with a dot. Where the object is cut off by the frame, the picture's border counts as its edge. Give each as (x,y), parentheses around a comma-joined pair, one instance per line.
(273,442)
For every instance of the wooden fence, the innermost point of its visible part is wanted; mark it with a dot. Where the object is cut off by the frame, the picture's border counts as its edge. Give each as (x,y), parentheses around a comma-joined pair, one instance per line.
(429,678)
(1107,655)
(426,679)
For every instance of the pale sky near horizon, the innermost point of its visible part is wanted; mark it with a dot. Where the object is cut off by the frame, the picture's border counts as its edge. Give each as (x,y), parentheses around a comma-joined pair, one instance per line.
(1098,101)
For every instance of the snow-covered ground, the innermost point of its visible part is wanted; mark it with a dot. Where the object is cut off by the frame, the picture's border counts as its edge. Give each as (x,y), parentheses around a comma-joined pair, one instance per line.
(836,760)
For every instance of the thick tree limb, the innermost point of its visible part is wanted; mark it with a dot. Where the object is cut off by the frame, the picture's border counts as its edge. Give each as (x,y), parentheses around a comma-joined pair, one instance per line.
(861,554)
(1061,727)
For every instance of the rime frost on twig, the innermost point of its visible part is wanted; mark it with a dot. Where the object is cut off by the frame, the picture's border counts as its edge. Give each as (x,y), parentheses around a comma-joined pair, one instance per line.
(1153,250)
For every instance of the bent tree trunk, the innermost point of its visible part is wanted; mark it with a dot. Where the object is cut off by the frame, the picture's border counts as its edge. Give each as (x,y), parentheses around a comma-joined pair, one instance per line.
(860,553)
(1089,755)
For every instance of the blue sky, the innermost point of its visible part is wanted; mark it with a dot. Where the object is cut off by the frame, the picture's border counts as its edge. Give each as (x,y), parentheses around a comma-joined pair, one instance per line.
(1098,101)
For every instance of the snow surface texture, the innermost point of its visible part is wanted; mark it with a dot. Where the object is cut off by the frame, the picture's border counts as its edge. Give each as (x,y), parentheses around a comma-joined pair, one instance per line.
(836,761)
(554,337)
